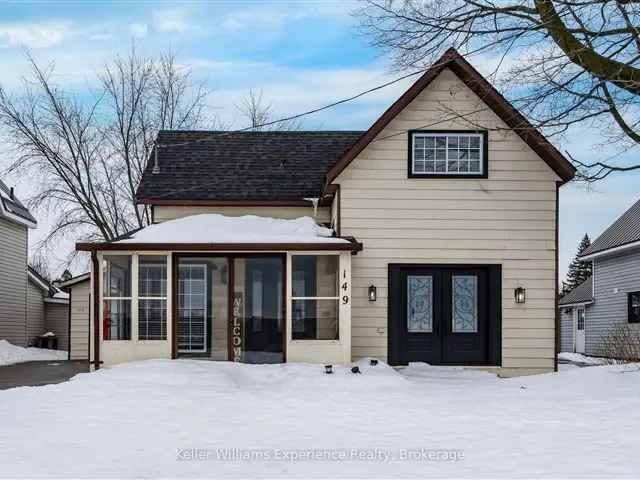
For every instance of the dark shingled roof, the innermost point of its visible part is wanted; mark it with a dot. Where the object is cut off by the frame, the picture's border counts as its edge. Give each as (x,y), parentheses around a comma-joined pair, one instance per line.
(624,230)
(12,205)
(227,166)
(581,294)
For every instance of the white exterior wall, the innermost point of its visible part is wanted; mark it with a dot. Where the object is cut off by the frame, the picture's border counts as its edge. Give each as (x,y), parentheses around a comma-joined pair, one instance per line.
(162,213)
(80,320)
(507,219)
(315,351)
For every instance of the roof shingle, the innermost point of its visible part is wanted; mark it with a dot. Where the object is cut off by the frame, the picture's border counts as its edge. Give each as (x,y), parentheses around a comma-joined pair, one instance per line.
(583,293)
(232,166)
(623,231)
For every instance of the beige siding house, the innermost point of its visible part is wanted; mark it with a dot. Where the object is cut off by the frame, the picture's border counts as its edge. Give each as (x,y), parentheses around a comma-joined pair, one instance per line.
(432,236)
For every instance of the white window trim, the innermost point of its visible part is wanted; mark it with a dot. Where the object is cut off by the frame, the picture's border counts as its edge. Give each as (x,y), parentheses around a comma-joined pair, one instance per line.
(337,299)
(134,296)
(481,160)
(165,298)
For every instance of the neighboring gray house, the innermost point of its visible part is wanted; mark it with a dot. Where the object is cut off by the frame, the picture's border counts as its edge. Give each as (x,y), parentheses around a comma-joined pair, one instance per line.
(610,299)
(29,305)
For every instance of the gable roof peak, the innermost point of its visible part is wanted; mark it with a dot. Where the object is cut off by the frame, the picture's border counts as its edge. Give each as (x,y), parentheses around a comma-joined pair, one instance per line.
(454,61)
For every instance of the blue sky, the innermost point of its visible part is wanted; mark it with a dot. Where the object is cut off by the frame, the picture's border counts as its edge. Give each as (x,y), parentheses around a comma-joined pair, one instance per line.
(301,54)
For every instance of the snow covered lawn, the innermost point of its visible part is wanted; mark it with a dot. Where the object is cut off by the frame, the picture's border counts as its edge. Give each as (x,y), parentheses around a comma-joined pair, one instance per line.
(10,354)
(582,359)
(150,419)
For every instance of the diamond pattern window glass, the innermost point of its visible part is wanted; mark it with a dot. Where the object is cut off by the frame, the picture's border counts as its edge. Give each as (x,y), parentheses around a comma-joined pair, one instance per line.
(444,153)
(464,303)
(420,303)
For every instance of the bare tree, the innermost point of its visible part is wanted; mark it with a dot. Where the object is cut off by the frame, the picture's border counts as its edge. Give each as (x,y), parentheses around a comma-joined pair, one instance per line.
(563,62)
(40,264)
(86,154)
(256,112)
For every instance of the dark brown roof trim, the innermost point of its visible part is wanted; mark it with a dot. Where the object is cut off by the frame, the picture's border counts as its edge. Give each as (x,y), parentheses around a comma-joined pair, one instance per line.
(481,87)
(226,203)
(352,246)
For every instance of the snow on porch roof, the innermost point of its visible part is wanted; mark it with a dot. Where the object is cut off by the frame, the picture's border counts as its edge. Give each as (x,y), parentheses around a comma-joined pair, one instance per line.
(216,232)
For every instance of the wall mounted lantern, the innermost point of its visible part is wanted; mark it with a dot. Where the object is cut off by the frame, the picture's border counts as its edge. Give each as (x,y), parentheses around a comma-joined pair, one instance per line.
(373,293)
(520,295)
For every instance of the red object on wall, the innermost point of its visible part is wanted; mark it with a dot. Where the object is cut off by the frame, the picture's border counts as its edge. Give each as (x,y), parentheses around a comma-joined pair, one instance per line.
(106,320)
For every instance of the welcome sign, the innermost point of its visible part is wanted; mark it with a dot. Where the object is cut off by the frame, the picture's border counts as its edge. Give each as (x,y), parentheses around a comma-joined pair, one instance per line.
(236,326)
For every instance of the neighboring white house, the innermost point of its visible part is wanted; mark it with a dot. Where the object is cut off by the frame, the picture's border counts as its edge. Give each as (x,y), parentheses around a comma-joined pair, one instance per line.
(610,299)
(431,236)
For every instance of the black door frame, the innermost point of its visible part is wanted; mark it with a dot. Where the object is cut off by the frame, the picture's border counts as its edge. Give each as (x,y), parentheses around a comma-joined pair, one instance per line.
(396,341)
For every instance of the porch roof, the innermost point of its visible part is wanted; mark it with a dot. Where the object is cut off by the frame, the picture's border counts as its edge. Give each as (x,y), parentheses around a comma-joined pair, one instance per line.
(214,232)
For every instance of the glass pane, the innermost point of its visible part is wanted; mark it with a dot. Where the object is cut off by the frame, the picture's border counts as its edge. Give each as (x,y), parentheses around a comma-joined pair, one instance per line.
(441,142)
(419,142)
(315,275)
(116,276)
(152,319)
(429,142)
(419,167)
(193,312)
(152,276)
(116,319)
(430,154)
(430,167)
(634,307)
(474,154)
(315,320)
(257,323)
(464,142)
(474,167)
(453,154)
(441,166)
(419,303)
(441,154)
(418,154)
(465,303)
(452,167)
(453,142)
(474,142)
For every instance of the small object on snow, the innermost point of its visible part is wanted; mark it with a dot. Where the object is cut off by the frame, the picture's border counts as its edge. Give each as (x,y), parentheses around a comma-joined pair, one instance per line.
(355,369)
(523,387)
(373,362)
(328,369)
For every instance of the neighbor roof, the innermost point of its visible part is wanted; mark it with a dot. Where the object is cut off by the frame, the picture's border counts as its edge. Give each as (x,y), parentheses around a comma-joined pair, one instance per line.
(583,293)
(250,166)
(12,209)
(623,231)
(481,87)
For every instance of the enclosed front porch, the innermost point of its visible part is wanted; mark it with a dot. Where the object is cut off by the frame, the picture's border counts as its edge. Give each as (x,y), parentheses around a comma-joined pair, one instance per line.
(258,303)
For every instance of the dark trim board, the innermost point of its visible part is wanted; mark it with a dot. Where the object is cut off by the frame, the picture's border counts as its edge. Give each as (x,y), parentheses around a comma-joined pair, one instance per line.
(397,338)
(444,176)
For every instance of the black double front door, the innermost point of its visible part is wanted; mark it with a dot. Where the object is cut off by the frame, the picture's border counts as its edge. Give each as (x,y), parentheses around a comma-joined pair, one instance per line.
(444,314)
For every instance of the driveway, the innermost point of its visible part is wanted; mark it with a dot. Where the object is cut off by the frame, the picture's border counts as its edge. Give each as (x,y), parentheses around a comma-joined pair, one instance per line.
(39,373)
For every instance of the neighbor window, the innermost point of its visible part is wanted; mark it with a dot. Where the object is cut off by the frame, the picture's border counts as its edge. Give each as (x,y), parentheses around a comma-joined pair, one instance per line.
(634,307)
(116,296)
(315,297)
(460,154)
(152,297)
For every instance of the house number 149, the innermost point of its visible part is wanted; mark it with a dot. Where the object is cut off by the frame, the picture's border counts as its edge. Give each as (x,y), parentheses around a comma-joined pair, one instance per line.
(345,288)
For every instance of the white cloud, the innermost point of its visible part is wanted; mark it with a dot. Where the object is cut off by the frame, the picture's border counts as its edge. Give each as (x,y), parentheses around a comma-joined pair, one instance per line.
(138,30)
(34,35)
(170,20)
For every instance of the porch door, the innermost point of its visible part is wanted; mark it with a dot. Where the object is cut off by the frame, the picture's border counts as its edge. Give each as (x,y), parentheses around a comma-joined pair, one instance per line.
(579,328)
(441,315)
(257,323)
(192,308)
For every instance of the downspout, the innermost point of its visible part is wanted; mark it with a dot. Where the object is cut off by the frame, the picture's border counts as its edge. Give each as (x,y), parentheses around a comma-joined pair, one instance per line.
(95,275)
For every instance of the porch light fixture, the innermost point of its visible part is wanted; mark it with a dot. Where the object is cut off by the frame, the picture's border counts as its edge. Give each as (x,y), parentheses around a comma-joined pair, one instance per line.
(328,369)
(520,295)
(373,362)
(373,293)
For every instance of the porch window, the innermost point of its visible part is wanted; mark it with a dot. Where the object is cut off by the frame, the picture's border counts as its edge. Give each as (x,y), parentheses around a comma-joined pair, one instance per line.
(448,154)
(315,298)
(152,297)
(116,295)
(634,307)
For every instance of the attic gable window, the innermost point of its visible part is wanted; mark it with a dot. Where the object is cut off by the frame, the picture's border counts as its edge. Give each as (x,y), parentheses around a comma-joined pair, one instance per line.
(457,154)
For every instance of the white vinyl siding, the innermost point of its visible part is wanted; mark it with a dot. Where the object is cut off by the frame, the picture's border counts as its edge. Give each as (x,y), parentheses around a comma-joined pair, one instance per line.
(162,213)
(507,219)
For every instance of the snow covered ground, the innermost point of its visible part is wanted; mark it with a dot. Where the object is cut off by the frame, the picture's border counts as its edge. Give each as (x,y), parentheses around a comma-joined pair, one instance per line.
(10,354)
(582,359)
(180,418)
